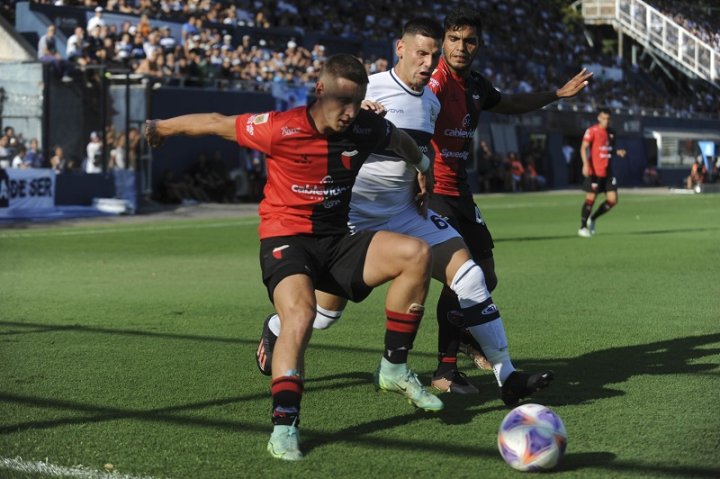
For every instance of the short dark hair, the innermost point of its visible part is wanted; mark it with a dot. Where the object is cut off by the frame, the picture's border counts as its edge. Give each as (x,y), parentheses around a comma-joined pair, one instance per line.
(427,27)
(461,17)
(346,66)
(604,109)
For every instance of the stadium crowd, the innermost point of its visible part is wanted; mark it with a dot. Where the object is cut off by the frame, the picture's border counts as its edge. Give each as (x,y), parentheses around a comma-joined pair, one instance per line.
(701,18)
(205,54)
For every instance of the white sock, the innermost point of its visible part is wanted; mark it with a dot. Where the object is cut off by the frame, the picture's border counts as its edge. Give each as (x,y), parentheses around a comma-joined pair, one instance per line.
(469,285)
(471,290)
(324,318)
(492,339)
(274,324)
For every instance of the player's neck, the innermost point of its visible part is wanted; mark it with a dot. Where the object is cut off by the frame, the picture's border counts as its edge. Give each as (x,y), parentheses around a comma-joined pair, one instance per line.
(458,73)
(317,119)
(406,81)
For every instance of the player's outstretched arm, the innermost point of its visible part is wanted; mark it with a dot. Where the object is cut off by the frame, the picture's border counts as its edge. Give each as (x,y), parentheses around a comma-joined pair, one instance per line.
(526,102)
(200,124)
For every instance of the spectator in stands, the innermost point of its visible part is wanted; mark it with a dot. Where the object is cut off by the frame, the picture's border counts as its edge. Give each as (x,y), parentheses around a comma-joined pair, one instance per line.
(174,189)
(189,29)
(256,173)
(12,140)
(76,45)
(532,179)
(93,161)
(34,157)
(47,47)
(517,171)
(651,177)
(698,174)
(97,20)
(58,162)
(5,153)
(117,153)
(19,160)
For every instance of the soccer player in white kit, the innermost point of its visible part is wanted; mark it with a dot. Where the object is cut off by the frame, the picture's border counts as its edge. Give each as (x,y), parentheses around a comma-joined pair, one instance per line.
(384,197)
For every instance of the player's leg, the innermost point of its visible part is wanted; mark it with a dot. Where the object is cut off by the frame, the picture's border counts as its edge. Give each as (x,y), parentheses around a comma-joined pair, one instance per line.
(405,261)
(611,199)
(590,187)
(328,310)
(482,319)
(294,300)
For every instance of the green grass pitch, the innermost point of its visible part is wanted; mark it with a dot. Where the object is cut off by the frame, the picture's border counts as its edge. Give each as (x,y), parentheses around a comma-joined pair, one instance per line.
(132,344)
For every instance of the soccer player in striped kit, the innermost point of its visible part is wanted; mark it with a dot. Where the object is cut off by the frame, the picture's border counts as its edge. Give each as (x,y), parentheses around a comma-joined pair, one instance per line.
(463,93)
(313,157)
(597,170)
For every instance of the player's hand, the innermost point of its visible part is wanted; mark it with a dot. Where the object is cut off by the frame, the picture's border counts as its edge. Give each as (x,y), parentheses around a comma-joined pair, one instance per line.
(621,153)
(423,189)
(373,106)
(585,170)
(154,138)
(575,85)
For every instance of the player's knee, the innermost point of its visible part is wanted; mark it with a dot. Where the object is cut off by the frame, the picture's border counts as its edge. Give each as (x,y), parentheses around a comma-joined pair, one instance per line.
(419,254)
(612,202)
(298,322)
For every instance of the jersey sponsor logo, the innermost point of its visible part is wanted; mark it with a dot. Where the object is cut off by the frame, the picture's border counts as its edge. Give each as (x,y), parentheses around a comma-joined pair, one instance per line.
(285,131)
(463,155)
(457,132)
(361,131)
(396,111)
(433,82)
(325,191)
(277,252)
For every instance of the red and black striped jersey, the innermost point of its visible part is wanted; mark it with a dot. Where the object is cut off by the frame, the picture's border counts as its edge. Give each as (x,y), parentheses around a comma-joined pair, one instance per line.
(601,145)
(461,101)
(310,175)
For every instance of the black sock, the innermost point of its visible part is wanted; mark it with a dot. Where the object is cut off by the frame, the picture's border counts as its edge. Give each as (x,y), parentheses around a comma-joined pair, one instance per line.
(448,333)
(585,214)
(602,209)
(400,332)
(286,395)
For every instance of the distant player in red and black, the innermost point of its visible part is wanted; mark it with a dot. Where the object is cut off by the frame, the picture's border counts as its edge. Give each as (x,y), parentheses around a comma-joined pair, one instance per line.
(597,170)
(463,93)
(313,156)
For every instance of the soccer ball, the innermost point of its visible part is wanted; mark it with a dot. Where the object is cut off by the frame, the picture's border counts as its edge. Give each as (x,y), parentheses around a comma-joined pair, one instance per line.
(532,438)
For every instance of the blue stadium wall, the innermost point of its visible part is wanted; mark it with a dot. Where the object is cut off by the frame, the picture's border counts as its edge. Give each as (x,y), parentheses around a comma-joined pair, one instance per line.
(179,154)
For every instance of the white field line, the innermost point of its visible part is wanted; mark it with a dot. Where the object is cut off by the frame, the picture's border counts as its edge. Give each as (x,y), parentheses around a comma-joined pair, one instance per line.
(125,229)
(53,470)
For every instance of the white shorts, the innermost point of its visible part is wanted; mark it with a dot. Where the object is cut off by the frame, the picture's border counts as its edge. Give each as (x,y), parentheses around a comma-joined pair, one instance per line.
(433,230)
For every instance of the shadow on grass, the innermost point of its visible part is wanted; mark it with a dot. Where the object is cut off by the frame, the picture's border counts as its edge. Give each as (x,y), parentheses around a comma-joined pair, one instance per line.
(580,380)
(589,377)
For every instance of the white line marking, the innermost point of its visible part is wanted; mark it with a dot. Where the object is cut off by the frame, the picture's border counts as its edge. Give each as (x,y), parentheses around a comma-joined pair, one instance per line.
(53,470)
(128,229)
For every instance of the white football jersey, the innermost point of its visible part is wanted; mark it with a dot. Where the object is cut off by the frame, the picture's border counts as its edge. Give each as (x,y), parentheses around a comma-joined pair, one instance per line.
(384,186)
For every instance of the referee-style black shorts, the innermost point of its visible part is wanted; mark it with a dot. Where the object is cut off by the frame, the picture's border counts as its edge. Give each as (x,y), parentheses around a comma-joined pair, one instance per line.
(597,184)
(464,215)
(334,263)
